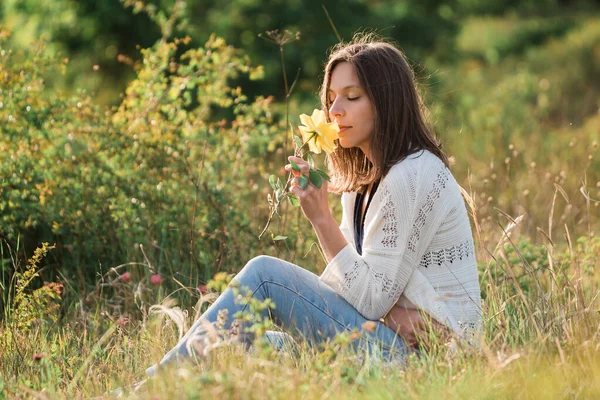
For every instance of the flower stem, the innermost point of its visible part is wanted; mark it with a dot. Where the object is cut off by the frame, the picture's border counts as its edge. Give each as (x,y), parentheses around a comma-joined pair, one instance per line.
(297,153)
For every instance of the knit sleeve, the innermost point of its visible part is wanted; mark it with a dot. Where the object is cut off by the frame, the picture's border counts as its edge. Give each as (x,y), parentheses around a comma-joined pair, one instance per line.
(346,226)
(404,215)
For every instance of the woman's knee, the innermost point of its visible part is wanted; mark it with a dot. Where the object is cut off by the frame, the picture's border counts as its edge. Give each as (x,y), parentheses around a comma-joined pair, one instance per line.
(255,266)
(262,264)
(265,267)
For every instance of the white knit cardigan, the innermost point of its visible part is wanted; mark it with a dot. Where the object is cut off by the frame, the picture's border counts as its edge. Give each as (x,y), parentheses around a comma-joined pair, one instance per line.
(418,248)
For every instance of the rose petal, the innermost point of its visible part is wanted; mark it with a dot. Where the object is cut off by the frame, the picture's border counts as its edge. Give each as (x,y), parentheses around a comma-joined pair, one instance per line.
(318,117)
(314,146)
(307,121)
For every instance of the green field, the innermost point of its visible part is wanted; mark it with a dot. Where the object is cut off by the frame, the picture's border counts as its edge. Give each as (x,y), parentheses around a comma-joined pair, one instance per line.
(147,195)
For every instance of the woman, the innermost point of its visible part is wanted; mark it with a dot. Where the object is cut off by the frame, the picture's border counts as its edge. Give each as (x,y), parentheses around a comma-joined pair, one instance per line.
(403,252)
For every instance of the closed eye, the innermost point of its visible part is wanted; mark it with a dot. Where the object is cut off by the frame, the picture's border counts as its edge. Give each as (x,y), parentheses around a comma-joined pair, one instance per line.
(349,99)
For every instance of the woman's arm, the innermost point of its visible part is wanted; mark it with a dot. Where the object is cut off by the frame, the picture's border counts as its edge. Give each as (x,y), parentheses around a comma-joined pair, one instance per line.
(330,236)
(315,207)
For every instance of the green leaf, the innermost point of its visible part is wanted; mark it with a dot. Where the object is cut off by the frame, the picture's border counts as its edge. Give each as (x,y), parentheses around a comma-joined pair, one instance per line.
(315,178)
(279,194)
(293,199)
(303,182)
(324,175)
(279,237)
(272,182)
(295,166)
(311,162)
(298,141)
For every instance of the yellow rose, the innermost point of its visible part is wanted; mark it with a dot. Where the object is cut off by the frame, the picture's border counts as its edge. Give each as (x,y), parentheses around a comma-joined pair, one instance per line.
(319,133)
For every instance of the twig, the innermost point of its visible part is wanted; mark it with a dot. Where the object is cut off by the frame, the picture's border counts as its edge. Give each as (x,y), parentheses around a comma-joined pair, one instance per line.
(275,206)
(331,23)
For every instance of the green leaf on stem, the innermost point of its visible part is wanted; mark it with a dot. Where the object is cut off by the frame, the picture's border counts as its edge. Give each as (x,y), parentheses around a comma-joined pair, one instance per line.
(279,237)
(293,199)
(303,182)
(295,166)
(279,195)
(311,162)
(324,175)
(315,178)
(272,182)
(298,141)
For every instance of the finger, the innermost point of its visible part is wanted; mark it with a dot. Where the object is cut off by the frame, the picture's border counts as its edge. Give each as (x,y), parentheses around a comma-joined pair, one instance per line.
(310,188)
(303,170)
(301,163)
(288,168)
(410,340)
(416,319)
(297,191)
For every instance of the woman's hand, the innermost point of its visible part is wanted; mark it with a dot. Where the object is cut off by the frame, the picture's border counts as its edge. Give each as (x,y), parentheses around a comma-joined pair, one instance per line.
(406,322)
(412,326)
(313,200)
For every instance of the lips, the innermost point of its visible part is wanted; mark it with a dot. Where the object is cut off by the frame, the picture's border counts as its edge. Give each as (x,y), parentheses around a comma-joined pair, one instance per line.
(344,127)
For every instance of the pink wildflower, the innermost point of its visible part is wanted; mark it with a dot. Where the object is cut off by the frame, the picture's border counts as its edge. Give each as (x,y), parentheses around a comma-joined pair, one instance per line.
(156,279)
(126,277)
(38,356)
(202,289)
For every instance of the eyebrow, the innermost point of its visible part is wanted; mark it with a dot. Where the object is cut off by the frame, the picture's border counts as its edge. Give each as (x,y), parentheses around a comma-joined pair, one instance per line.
(344,88)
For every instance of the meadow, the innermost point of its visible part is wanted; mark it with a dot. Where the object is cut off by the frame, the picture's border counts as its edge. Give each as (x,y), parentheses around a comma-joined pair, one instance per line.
(149,206)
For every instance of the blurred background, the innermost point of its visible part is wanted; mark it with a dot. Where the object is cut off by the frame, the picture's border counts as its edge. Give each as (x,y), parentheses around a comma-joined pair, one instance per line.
(146,132)
(106,33)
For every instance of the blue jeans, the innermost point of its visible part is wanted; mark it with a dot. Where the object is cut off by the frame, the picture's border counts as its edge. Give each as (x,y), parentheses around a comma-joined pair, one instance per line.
(304,306)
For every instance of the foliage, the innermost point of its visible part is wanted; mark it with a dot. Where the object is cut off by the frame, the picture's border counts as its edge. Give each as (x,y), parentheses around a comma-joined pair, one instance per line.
(105,34)
(493,39)
(528,150)
(29,307)
(172,167)
(98,37)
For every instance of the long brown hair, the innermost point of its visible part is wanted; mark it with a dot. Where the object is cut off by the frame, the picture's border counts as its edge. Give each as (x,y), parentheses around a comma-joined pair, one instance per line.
(401,126)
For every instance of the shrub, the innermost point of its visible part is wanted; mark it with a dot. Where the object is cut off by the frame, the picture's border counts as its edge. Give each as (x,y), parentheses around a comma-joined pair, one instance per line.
(172,167)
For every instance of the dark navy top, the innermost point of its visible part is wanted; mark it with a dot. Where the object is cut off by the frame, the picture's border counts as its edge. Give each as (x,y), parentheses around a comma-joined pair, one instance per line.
(359,220)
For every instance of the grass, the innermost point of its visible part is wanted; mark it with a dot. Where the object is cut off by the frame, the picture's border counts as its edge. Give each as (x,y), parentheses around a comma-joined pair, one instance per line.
(541,340)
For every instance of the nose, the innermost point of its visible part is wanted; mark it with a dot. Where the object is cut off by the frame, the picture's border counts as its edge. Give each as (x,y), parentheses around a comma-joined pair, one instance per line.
(336,109)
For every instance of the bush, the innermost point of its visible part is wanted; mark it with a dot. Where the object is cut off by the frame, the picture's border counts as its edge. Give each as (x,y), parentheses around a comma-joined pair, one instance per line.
(173,167)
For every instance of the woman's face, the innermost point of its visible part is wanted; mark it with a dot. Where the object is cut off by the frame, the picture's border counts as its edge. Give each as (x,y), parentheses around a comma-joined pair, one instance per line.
(351,108)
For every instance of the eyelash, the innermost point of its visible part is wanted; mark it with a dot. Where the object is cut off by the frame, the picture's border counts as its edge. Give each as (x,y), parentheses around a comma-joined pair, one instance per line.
(349,99)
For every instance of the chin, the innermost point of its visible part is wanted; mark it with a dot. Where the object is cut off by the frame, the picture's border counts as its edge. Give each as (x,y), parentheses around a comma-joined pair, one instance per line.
(345,144)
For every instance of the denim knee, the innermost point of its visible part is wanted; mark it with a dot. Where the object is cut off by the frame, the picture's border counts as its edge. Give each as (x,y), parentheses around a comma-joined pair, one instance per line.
(260,265)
